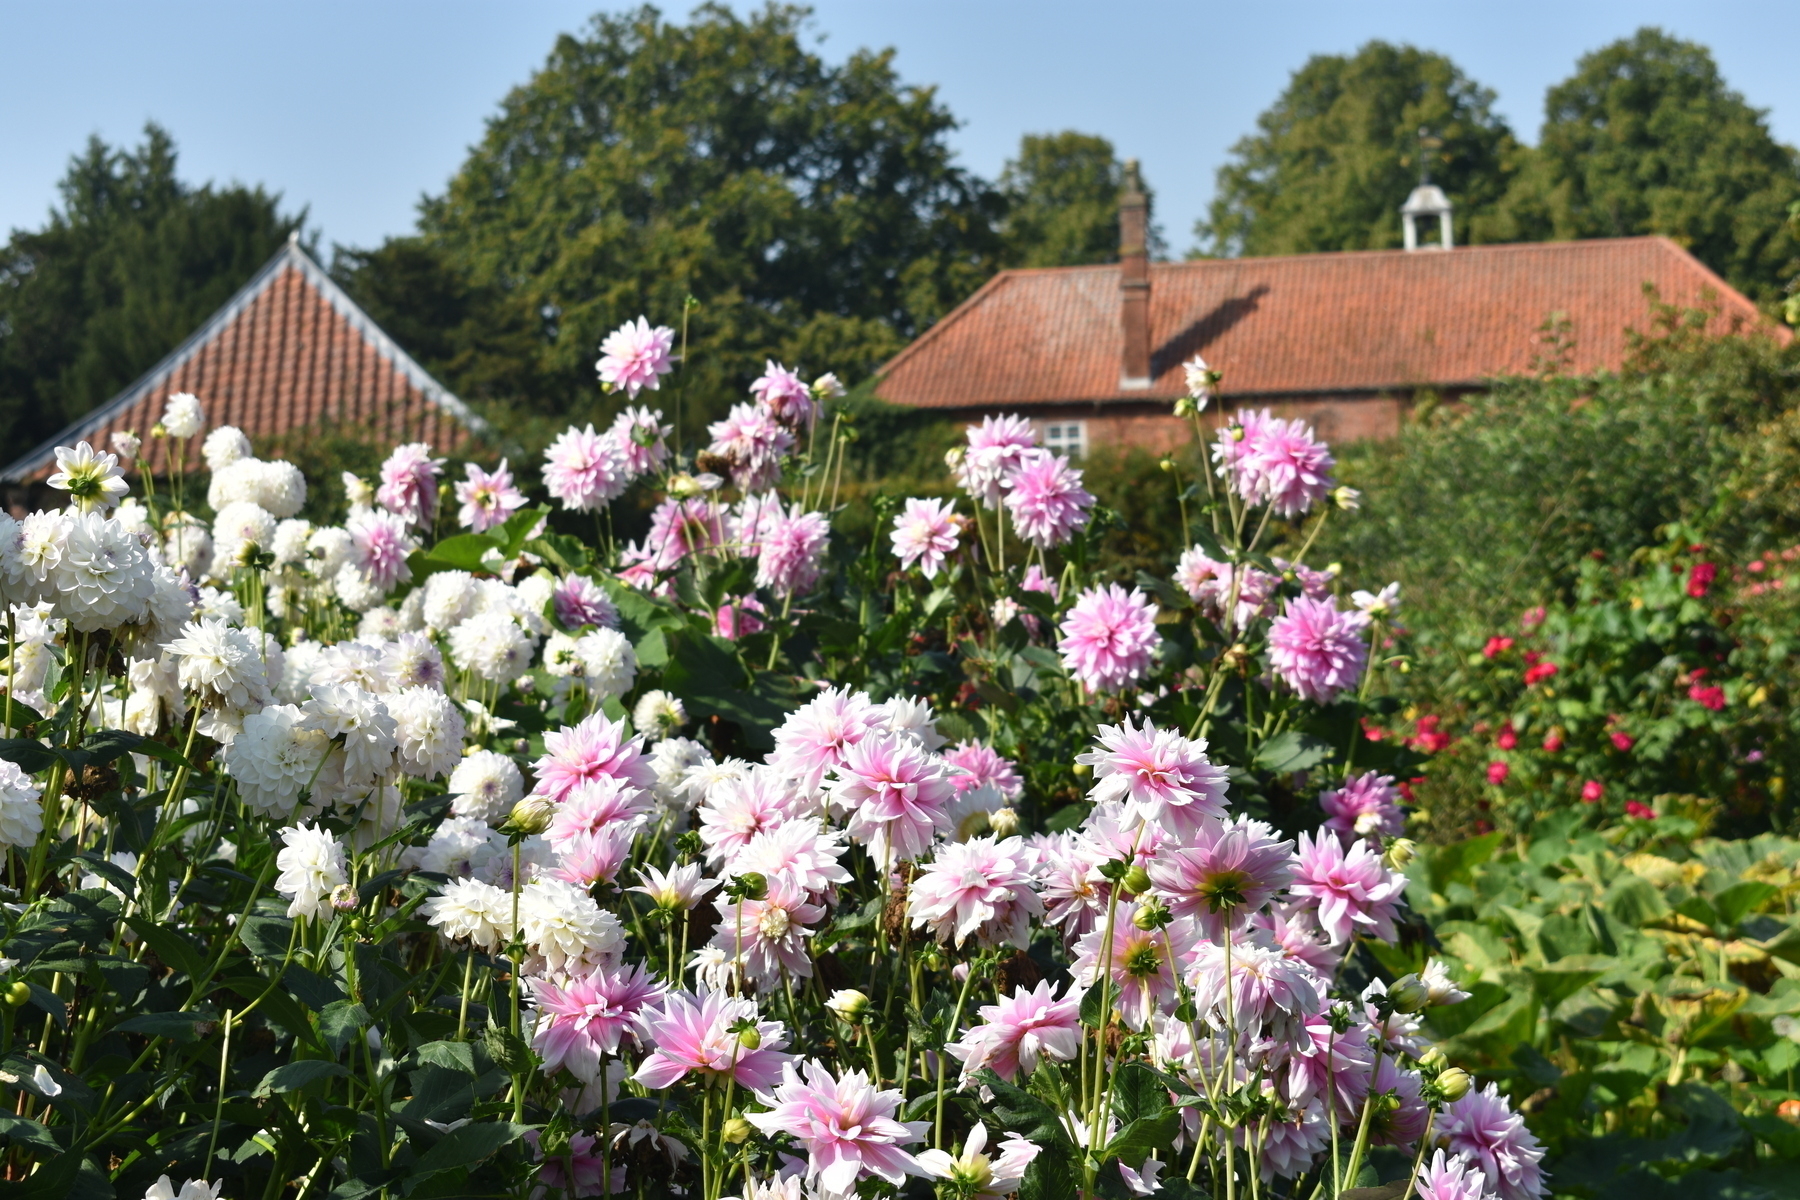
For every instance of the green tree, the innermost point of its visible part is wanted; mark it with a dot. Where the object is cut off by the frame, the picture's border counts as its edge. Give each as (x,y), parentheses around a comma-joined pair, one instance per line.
(128,265)
(1062,196)
(813,210)
(1335,156)
(1646,138)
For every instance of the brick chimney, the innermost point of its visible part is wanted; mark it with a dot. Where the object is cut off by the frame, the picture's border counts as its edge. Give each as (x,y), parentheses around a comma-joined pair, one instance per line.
(1134,282)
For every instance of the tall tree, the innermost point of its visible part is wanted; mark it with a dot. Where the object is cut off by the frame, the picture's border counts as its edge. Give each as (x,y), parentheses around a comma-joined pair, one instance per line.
(127,266)
(1062,196)
(812,209)
(1646,137)
(1335,156)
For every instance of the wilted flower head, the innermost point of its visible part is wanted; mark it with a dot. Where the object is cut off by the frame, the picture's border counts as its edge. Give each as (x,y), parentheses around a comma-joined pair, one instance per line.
(635,356)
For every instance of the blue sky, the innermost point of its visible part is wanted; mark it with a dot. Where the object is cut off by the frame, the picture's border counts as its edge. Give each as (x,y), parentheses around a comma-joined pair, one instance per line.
(355,109)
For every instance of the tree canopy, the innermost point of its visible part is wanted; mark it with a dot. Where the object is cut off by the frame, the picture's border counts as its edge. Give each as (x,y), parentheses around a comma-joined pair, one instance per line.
(126,267)
(1334,156)
(1062,201)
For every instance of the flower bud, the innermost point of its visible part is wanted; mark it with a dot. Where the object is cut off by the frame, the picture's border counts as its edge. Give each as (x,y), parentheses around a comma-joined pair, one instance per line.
(1434,1059)
(1347,498)
(1150,915)
(1401,851)
(530,815)
(684,487)
(953,457)
(750,1038)
(1136,880)
(1409,994)
(345,899)
(159,430)
(1004,822)
(751,885)
(1082,770)
(849,1004)
(1167,464)
(1186,407)
(1235,433)
(737,1131)
(1454,1084)
(18,993)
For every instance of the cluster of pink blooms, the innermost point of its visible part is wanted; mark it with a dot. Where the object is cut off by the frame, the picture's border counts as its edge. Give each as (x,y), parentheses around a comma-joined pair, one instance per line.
(1274,461)
(1003,466)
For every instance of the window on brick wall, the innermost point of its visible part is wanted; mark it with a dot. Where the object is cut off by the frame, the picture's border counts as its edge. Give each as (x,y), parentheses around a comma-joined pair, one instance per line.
(1065,437)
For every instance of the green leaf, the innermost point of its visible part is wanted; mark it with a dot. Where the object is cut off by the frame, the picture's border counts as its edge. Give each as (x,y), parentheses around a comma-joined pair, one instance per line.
(1442,866)
(176,1026)
(1144,1138)
(459,552)
(1291,751)
(21,1131)
(1138,1092)
(510,1053)
(341,1022)
(1740,900)
(296,1075)
(28,755)
(173,948)
(467,1145)
(267,936)
(452,1056)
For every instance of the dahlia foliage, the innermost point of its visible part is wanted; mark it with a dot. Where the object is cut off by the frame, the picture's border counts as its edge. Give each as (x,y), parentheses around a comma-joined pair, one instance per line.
(440,851)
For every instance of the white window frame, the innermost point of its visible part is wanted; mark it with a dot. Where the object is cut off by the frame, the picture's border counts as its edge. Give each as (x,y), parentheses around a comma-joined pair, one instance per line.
(1062,436)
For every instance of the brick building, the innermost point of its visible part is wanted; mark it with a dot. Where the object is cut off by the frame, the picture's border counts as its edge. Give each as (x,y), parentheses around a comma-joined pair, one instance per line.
(288,354)
(1347,340)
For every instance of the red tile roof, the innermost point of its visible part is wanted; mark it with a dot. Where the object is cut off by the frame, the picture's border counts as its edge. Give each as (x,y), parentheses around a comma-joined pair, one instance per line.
(1366,321)
(289,352)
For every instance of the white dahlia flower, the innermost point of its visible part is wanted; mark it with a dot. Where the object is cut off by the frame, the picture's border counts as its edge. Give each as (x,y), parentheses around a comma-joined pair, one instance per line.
(357,663)
(460,848)
(565,927)
(281,487)
(187,544)
(472,911)
(429,728)
(562,656)
(91,477)
(411,660)
(234,483)
(155,701)
(104,579)
(312,866)
(222,665)
(354,589)
(379,624)
(658,715)
(492,646)
(609,661)
(43,540)
(171,607)
(531,599)
(224,446)
(672,759)
(289,544)
(412,611)
(449,600)
(216,604)
(182,416)
(328,549)
(15,581)
(273,759)
(361,720)
(21,814)
(485,786)
(302,658)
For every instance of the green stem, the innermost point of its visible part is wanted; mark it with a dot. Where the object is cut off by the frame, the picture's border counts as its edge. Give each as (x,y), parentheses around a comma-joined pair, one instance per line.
(962,998)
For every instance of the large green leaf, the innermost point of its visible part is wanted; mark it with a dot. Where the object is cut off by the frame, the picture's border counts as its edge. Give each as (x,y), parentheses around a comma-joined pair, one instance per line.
(467,1145)
(1292,751)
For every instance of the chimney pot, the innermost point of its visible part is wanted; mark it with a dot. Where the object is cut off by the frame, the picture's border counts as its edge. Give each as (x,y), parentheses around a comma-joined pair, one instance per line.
(1134,281)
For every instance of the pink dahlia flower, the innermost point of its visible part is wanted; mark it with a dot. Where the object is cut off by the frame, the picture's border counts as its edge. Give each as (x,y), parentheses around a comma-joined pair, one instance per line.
(1483,1128)
(1108,637)
(1046,499)
(584,469)
(695,1034)
(1273,461)
(1318,651)
(996,449)
(679,528)
(1223,872)
(1289,1148)
(586,1161)
(739,618)
(1314,585)
(409,483)
(800,852)
(926,533)
(578,601)
(1271,996)
(785,395)
(1069,881)
(679,888)
(1402,1126)
(845,1125)
(753,442)
(1330,1069)
(792,549)
(594,749)
(1142,982)
(596,804)
(768,936)
(1156,774)
(590,858)
(379,544)
(896,794)
(1209,584)
(635,356)
(817,735)
(1296,930)
(1447,1177)
(639,435)
(487,500)
(736,810)
(1367,806)
(986,765)
(1013,1034)
(1354,892)
(980,888)
(589,1016)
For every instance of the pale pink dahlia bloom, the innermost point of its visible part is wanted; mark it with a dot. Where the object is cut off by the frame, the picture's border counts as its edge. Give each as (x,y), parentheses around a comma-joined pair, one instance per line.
(1156,774)
(785,395)
(679,528)
(1273,461)
(1354,892)
(769,936)
(1318,651)
(487,499)
(1271,996)
(409,483)
(845,1125)
(1296,930)
(1143,983)
(635,356)
(591,805)
(1223,872)
(590,858)
(896,795)
(1046,500)
(584,469)
(639,435)
(996,448)
(801,852)
(1404,1125)
(988,767)
(680,887)
(578,600)
(591,1015)
(1367,806)
(1208,584)
(816,736)
(594,749)
(1483,1128)
(694,1033)
(1108,637)
(1013,1034)
(736,810)
(753,442)
(926,532)
(1069,881)
(791,551)
(1330,1068)
(1450,1178)
(980,888)
(379,544)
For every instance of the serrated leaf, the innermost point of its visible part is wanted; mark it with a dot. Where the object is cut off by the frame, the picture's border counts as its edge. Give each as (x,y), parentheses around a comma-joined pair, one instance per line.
(293,1076)
(1138,1093)
(173,948)
(1144,1138)
(467,1145)
(508,1052)
(341,1022)
(452,1056)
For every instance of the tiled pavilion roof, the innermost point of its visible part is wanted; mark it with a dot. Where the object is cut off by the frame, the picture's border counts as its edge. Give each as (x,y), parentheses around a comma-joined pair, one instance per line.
(288,353)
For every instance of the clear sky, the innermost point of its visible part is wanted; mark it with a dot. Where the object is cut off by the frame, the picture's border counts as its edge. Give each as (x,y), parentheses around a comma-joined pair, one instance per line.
(355,108)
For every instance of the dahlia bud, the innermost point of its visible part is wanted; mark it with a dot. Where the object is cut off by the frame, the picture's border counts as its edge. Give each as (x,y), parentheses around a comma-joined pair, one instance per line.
(1186,407)
(159,430)
(827,386)
(345,899)
(530,815)
(1150,915)
(751,885)
(1409,994)
(1004,822)
(1401,851)
(1235,433)
(1454,1084)
(1167,464)
(737,1131)
(1347,498)
(749,1038)
(849,1004)
(1136,880)
(1434,1059)
(18,994)
(1082,770)
(953,457)
(684,487)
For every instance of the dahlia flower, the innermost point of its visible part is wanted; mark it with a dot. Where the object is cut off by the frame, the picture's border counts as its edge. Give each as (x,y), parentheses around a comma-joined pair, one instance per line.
(222,665)
(800,851)
(845,1125)
(194,1189)
(21,814)
(411,660)
(1367,806)
(639,434)
(448,599)
(1108,638)
(578,600)
(584,469)
(379,543)
(590,1016)
(791,550)
(980,888)
(752,443)
(594,805)
(815,737)
(987,766)
(492,646)
(472,910)
(429,729)
(1046,499)
(1354,892)
(92,477)
(460,848)
(658,714)
(360,721)
(561,924)
(103,578)
(1157,775)
(1295,929)
(1316,650)
(1442,989)
(224,446)
(1330,1068)
(636,356)
(182,416)
(1222,872)
(1384,603)
(1142,981)
(1483,1128)
(1273,461)
(926,533)
(680,888)
(996,449)
(768,937)
(594,749)
(699,1033)
(739,807)
(1450,1178)
(1403,1124)
(485,785)
(1069,882)
(897,796)
(984,1178)
(1208,584)
(487,498)
(311,863)
(679,528)
(1271,996)
(1016,1031)
(785,396)
(273,758)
